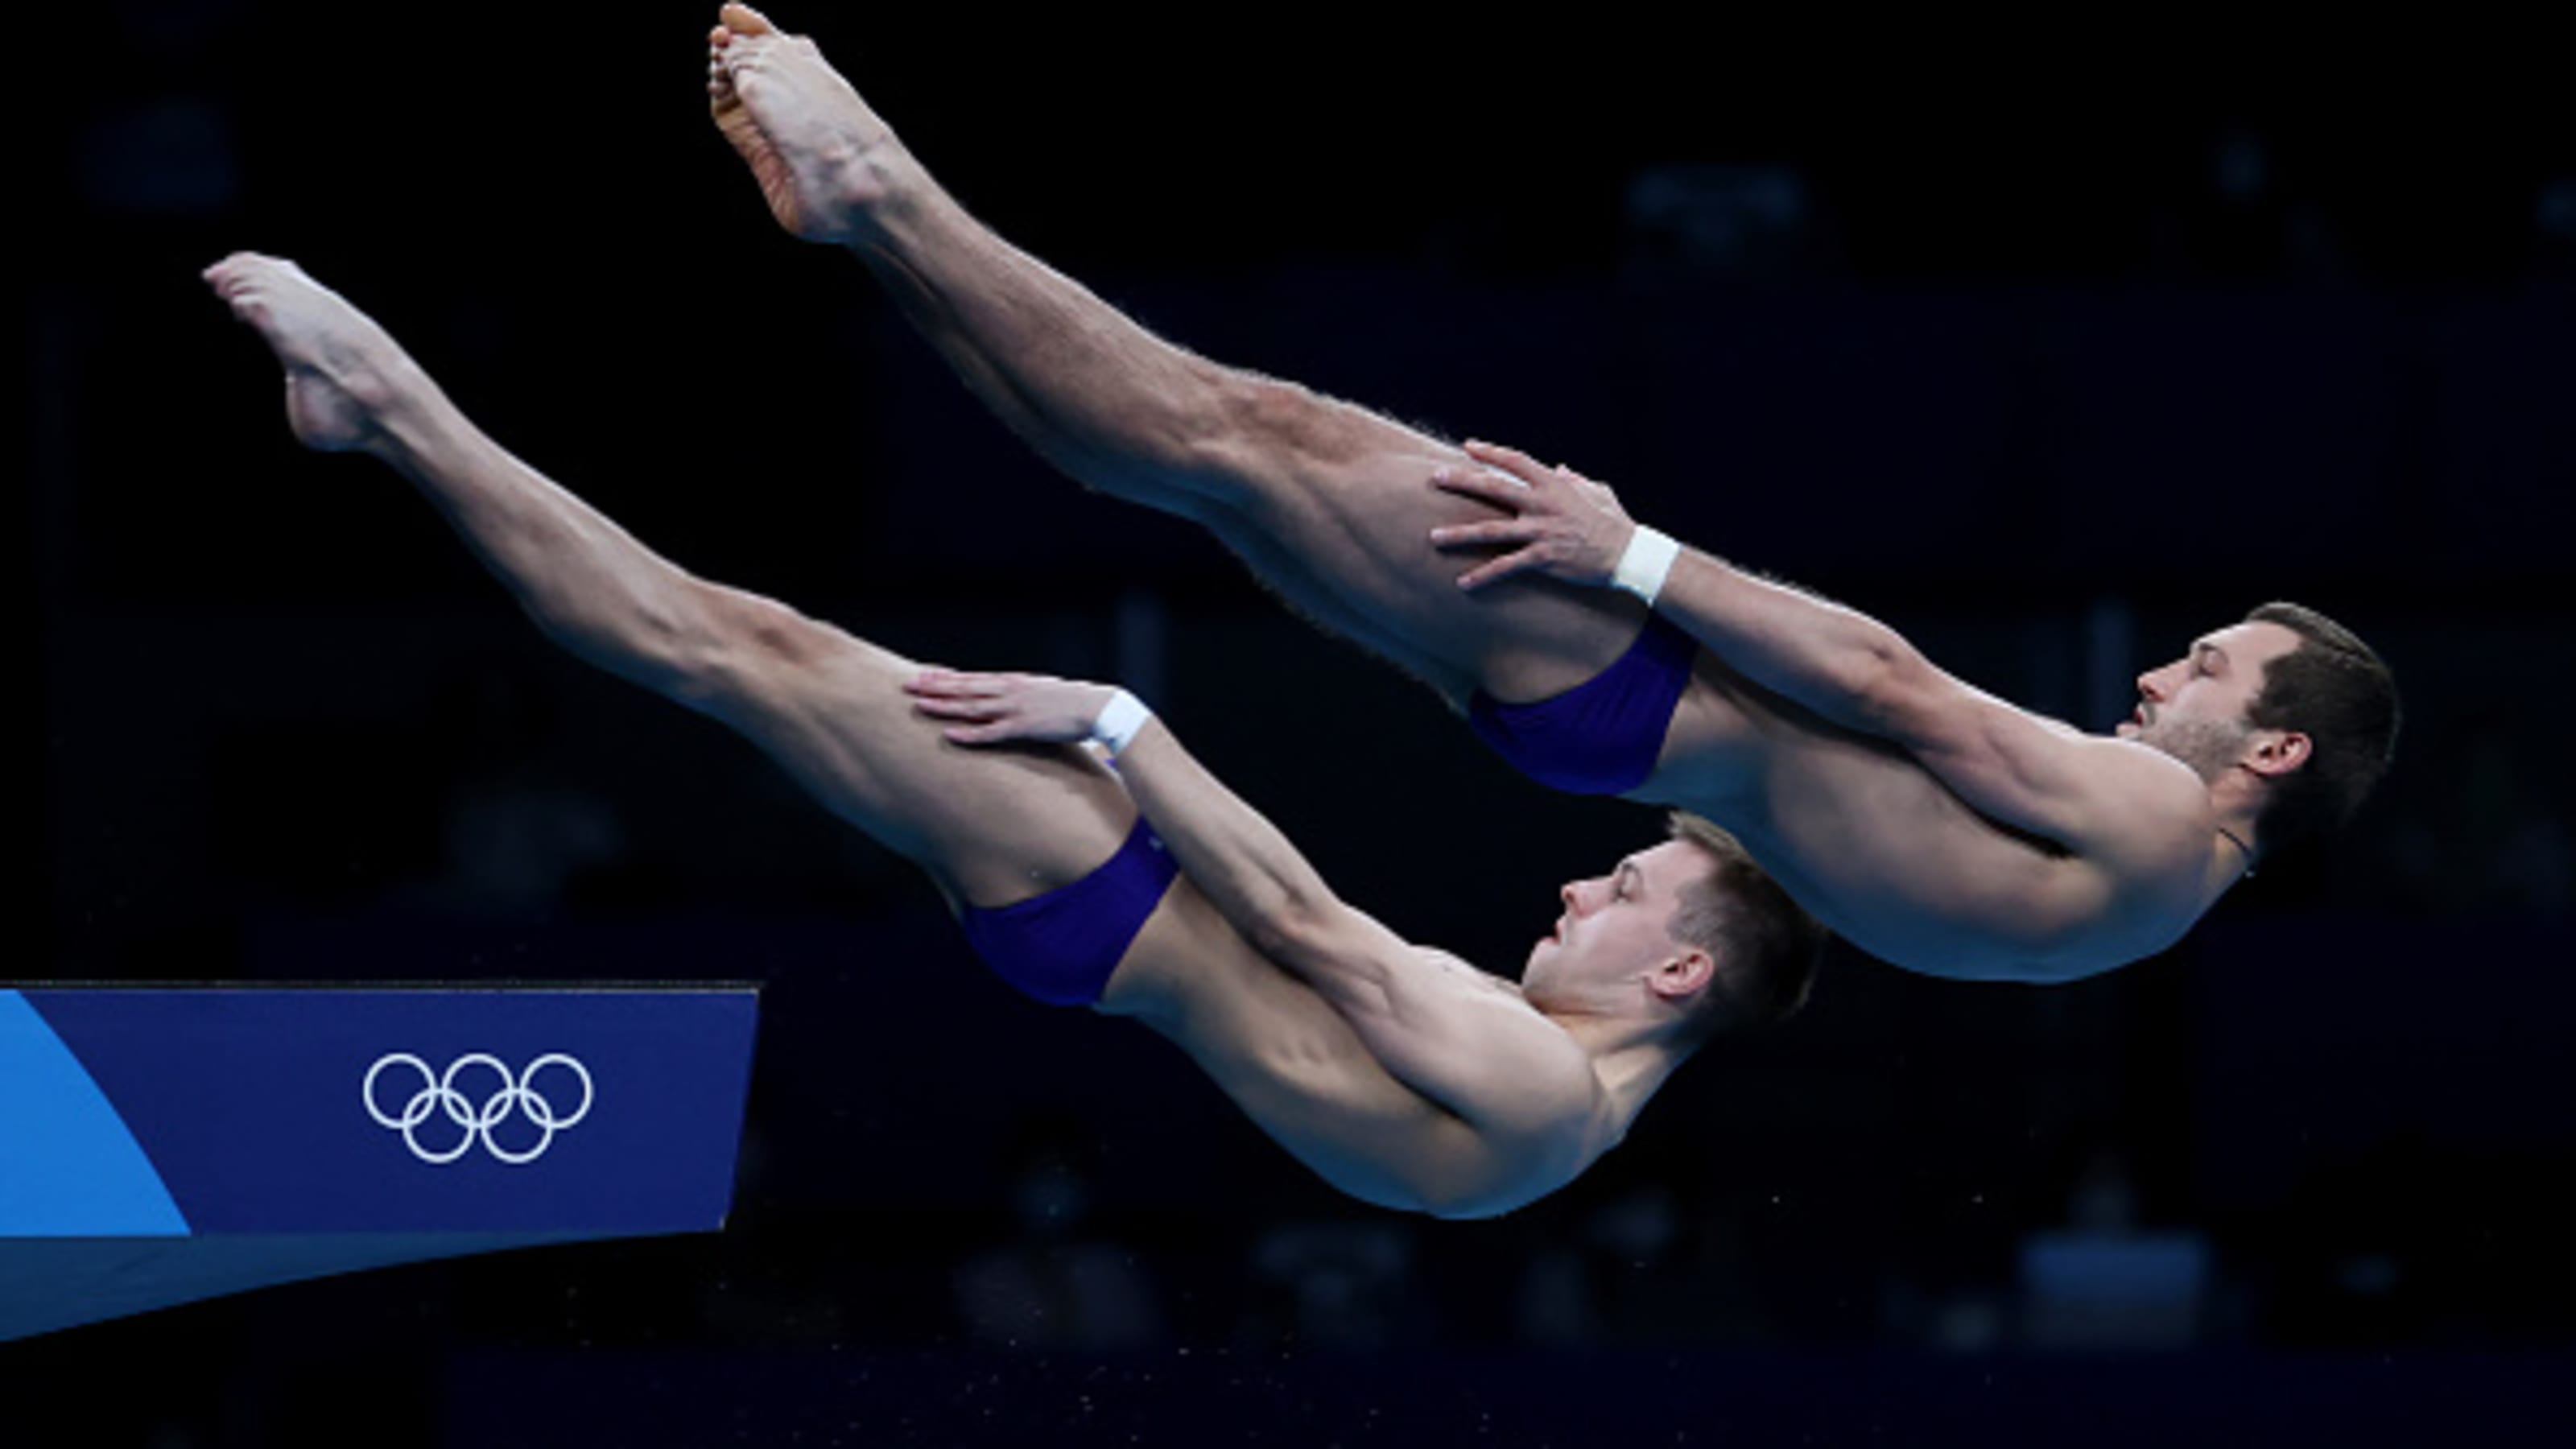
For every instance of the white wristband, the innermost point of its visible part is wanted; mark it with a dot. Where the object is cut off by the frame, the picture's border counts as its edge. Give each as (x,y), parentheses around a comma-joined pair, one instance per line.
(1119,720)
(1644,563)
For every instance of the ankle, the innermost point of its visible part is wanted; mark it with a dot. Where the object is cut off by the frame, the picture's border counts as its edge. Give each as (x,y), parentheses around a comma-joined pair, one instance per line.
(406,415)
(874,184)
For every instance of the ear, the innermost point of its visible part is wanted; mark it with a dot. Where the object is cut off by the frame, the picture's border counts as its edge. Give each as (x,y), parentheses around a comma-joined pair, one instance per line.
(2277,753)
(1683,976)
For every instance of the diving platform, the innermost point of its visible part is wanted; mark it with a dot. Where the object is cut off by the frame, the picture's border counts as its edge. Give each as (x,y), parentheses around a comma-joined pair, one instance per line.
(160,1145)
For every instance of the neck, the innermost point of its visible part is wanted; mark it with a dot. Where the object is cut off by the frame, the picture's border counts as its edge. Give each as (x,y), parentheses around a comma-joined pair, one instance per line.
(2244,849)
(1631,1063)
(2237,800)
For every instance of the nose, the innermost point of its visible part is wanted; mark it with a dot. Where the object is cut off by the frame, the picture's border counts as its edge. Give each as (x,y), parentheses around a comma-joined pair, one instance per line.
(2150,684)
(1573,896)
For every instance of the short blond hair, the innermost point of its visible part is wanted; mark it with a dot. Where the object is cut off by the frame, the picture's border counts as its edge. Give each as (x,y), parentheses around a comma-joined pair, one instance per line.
(1765,945)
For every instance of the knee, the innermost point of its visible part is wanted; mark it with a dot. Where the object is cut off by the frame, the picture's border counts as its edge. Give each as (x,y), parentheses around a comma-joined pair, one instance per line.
(1263,408)
(742,645)
(1267,426)
(766,629)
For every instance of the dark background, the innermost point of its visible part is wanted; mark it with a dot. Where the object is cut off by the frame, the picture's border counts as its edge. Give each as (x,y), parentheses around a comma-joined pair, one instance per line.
(2052,350)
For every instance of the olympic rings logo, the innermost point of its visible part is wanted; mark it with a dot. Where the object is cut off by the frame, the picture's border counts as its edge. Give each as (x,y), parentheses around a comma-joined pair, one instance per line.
(438,1095)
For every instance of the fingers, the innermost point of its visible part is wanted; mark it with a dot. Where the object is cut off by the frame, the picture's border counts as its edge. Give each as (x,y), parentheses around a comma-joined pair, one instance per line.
(1510,460)
(979,704)
(959,683)
(977,712)
(1481,484)
(1501,568)
(1471,535)
(956,708)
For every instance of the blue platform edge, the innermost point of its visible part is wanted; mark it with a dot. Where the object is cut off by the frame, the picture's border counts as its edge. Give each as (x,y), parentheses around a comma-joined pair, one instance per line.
(68,1166)
(159,1145)
(433,1109)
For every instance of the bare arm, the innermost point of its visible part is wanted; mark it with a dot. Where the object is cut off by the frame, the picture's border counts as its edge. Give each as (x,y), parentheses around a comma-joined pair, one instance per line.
(2020,769)
(1454,1034)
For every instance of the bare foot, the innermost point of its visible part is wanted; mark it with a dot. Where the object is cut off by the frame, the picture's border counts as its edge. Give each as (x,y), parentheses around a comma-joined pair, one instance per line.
(821,156)
(342,370)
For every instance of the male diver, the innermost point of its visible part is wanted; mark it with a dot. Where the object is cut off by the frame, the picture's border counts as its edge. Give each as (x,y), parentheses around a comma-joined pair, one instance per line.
(1938,827)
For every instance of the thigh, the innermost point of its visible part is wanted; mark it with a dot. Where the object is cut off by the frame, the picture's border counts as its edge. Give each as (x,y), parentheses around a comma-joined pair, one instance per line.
(1725,745)
(992,825)
(1334,506)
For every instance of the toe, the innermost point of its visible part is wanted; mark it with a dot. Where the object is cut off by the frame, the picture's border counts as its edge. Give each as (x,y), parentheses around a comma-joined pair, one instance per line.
(743,20)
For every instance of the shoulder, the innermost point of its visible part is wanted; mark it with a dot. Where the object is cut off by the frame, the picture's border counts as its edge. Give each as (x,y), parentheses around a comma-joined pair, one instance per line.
(1466,977)
(2144,860)
(1535,1061)
(1529,1042)
(2168,800)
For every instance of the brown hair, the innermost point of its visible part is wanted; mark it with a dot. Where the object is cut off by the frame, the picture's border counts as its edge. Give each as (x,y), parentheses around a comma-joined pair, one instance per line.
(2339,694)
(1766,947)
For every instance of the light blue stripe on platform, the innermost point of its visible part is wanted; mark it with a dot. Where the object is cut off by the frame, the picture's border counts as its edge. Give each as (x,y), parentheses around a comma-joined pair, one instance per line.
(68,1166)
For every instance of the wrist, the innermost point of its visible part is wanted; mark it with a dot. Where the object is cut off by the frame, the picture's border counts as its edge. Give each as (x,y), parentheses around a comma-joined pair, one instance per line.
(1645,563)
(1119,721)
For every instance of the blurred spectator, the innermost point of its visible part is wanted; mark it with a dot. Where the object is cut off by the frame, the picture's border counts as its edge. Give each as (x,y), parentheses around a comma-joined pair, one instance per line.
(1627,1278)
(1056,1287)
(2102,1281)
(1334,1284)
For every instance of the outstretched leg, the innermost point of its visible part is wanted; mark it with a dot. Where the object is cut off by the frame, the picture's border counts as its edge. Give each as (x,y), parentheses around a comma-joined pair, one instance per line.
(1330,503)
(991,827)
